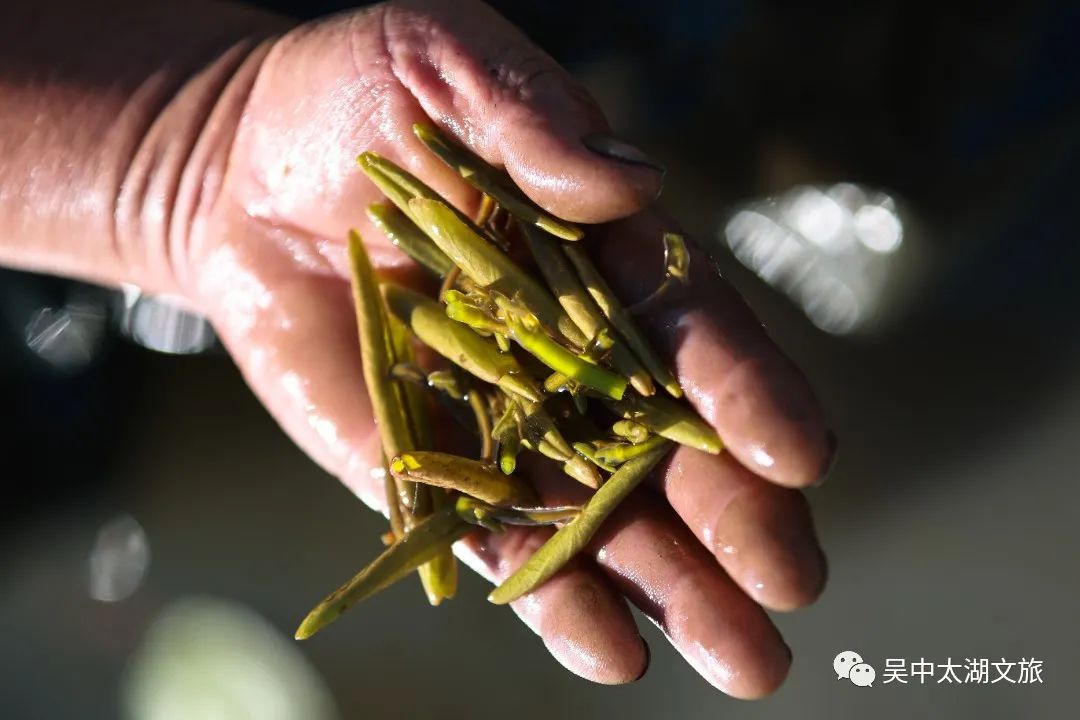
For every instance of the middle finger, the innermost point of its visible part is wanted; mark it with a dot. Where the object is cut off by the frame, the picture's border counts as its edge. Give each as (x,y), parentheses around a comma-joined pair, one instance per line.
(761,534)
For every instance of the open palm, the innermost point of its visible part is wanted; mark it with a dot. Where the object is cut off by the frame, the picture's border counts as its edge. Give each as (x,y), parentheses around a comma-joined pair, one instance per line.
(714,538)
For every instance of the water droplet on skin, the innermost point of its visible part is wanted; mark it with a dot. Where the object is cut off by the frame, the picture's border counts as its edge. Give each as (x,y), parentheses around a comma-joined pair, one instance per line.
(325,429)
(241,294)
(294,385)
(576,654)
(708,661)
(365,481)
(762,458)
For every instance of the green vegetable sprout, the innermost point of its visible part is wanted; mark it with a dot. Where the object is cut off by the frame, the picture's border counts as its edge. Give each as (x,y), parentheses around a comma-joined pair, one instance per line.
(534,357)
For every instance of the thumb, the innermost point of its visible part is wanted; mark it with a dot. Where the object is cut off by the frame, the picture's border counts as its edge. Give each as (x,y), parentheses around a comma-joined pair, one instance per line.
(484,82)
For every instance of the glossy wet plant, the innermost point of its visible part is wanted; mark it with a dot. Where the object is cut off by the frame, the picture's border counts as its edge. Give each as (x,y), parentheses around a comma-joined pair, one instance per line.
(539,355)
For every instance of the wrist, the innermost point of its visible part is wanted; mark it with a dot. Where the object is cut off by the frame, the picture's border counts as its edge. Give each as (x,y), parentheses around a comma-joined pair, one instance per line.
(115,131)
(174,179)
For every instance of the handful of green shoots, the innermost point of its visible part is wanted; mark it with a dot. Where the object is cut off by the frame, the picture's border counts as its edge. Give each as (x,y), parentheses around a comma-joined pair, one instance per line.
(552,364)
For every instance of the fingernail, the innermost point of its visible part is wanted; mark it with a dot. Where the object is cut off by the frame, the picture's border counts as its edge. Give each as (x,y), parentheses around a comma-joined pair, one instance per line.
(615,149)
(830,459)
(648,659)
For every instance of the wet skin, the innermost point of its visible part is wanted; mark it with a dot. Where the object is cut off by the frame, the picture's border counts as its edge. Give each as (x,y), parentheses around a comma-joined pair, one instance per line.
(238,199)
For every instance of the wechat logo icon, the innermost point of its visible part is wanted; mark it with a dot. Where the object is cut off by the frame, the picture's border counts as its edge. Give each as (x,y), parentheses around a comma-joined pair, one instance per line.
(849,665)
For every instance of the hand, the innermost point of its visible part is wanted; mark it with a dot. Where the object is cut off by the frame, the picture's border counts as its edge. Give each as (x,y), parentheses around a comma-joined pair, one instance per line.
(715,539)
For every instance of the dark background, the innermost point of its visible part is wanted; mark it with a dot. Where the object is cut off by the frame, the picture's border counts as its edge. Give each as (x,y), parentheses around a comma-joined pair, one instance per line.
(949,517)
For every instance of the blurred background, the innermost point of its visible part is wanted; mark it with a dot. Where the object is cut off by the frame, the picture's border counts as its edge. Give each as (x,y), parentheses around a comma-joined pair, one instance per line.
(894,188)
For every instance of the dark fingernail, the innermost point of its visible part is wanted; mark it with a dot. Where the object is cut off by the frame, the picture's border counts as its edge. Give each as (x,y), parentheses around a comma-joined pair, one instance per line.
(830,459)
(648,659)
(615,149)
